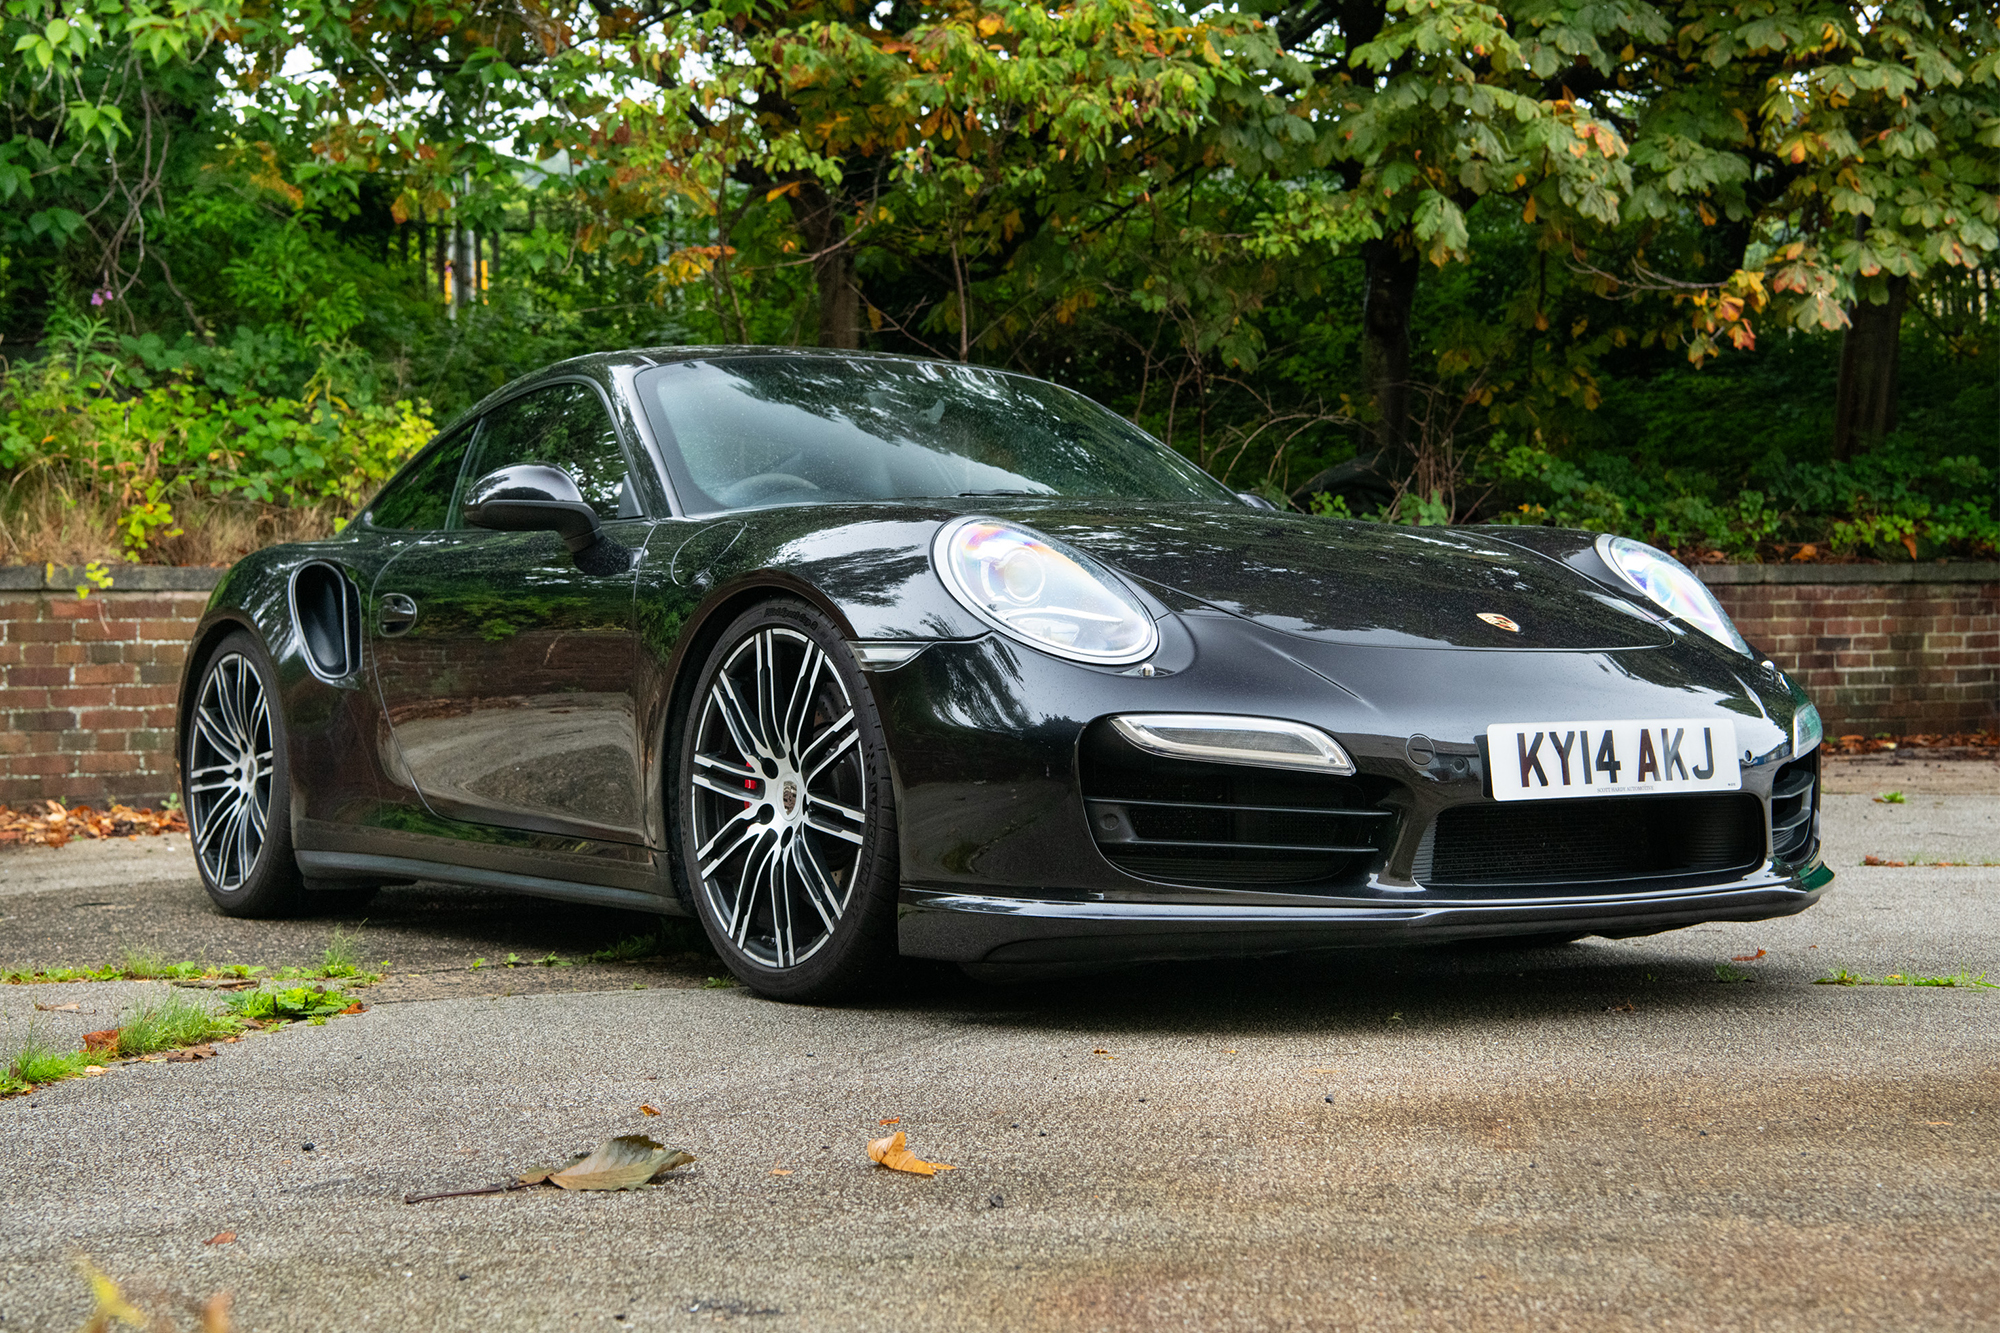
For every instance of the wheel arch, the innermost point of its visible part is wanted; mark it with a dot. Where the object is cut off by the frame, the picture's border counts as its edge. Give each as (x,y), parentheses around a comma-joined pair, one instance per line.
(211,632)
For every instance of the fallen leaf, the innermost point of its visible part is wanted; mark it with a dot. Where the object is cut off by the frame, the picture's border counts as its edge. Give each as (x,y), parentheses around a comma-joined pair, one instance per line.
(1937,1122)
(1881,861)
(892,1120)
(624,1163)
(106,1040)
(201,1052)
(356,1008)
(647,1110)
(892,1153)
(1624,1008)
(59,1008)
(93,1069)
(221,1238)
(1099,1050)
(1749,957)
(780,1171)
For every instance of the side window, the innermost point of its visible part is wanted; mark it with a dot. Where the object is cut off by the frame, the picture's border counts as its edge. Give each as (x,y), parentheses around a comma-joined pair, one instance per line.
(565,426)
(418,498)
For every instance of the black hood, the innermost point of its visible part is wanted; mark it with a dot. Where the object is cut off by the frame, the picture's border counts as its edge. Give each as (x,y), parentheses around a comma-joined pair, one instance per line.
(1360,583)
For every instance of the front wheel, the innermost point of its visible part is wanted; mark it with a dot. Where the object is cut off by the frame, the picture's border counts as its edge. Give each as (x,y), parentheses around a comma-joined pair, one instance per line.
(234,784)
(787,813)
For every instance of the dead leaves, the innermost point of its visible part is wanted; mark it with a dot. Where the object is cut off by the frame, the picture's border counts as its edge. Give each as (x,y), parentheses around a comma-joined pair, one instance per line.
(187,1053)
(104,1040)
(624,1163)
(894,1153)
(221,1238)
(54,824)
(60,1008)
(648,1110)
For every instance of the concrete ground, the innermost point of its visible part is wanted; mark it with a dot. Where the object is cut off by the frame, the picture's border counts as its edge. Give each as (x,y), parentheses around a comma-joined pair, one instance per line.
(1599,1136)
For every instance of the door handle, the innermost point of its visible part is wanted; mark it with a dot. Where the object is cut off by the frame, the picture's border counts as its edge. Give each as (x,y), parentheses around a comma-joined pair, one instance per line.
(395,615)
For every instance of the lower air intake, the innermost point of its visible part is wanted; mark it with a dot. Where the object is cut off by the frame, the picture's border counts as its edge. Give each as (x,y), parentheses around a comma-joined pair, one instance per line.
(1709,835)
(1228,825)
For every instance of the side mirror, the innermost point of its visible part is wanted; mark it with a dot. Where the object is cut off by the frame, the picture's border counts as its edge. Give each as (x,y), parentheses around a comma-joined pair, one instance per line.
(1254,500)
(533,497)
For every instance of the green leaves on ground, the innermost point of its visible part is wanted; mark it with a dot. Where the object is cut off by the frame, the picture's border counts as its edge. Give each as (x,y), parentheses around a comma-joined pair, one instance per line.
(1956,980)
(310,1003)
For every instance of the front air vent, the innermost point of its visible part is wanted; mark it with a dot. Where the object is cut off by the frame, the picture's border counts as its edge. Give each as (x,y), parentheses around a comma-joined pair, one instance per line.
(1227,825)
(1608,841)
(1794,807)
(327,611)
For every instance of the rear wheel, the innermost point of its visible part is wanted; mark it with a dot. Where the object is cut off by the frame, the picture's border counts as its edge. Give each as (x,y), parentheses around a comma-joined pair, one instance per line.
(787,813)
(235,785)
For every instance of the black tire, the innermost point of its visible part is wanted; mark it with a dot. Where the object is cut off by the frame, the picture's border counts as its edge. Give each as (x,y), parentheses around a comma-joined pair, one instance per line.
(240,816)
(795,879)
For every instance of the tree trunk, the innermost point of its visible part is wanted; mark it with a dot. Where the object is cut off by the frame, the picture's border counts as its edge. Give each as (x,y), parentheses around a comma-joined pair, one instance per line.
(1864,404)
(1385,349)
(821,222)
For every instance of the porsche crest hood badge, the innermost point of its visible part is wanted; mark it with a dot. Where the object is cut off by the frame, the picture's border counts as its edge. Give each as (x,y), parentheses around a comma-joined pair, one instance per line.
(1498,621)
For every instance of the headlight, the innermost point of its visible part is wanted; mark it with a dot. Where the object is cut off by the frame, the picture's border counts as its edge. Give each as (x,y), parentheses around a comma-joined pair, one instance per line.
(1807,729)
(1671,586)
(1047,596)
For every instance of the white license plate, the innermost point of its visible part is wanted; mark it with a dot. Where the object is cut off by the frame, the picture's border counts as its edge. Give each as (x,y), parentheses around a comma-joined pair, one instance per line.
(1539,761)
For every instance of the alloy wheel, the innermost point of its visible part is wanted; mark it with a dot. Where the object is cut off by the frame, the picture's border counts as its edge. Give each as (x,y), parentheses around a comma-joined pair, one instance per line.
(779,797)
(230,764)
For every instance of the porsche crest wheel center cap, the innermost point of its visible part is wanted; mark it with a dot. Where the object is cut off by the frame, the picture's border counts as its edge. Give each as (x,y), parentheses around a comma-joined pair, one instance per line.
(791,796)
(1498,621)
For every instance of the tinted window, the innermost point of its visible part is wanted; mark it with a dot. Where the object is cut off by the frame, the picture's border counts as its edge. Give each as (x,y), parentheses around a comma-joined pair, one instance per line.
(419,497)
(749,431)
(565,426)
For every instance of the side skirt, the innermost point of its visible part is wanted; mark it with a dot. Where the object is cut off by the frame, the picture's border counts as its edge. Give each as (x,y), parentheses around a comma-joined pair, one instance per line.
(356,865)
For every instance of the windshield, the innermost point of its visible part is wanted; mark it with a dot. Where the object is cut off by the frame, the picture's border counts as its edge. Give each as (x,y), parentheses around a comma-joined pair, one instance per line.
(740,432)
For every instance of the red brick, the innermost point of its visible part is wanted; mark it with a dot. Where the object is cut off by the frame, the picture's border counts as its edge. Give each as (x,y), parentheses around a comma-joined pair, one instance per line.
(29,677)
(138,696)
(81,696)
(109,673)
(115,762)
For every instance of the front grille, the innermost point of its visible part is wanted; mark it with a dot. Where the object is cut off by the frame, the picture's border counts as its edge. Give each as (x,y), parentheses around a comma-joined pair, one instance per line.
(1794,803)
(1708,835)
(1227,826)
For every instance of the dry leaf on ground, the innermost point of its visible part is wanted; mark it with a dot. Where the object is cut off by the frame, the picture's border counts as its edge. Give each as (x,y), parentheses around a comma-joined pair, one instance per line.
(893,1153)
(54,824)
(201,1052)
(625,1163)
(648,1110)
(1749,957)
(892,1120)
(106,1040)
(59,1008)
(221,1238)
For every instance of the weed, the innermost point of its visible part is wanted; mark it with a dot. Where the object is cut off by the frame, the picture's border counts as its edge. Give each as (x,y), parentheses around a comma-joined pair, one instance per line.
(477,963)
(290,1005)
(342,955)
(174,1020)
(1891,798)
(720,983)
(513,960)
(140,966)
(1965,980)
(38,1062)
(1728,972)
(553,960)
(629,950)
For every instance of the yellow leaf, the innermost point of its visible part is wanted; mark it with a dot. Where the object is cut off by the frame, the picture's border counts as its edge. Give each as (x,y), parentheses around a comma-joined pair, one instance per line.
(790,187)
(892,1153)
(988,26)
(647,1110)
(1528,213)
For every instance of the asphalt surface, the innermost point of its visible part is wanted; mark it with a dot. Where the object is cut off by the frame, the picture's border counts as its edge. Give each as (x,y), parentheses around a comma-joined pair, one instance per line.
(1599,1136)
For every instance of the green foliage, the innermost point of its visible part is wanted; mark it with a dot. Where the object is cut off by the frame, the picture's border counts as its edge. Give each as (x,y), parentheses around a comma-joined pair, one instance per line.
(37,1062)
(174,1020)
(313,1003)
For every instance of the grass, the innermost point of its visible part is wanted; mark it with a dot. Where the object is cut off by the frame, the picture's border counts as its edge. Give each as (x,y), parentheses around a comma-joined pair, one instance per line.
(671,938)
(1963,980)
(1728,972)
(170,1022)
(36,1063)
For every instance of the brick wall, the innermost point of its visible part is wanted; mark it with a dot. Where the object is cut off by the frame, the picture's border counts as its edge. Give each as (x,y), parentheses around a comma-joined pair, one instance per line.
(1897,648)
(87,685)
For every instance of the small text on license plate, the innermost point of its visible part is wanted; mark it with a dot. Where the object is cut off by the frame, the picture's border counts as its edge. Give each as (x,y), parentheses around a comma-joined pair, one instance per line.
(1532,761)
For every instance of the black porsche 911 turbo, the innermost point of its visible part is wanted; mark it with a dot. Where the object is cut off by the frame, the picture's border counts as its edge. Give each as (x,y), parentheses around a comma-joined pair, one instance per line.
(852,656)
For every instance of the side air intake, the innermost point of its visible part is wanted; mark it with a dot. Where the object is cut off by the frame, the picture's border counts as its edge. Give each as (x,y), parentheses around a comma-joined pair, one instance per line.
(326,609)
